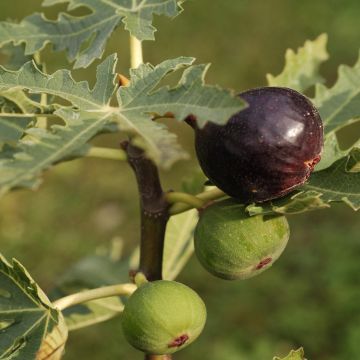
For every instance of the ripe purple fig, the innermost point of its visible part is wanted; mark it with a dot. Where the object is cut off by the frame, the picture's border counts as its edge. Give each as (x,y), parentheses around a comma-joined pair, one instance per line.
(265,150)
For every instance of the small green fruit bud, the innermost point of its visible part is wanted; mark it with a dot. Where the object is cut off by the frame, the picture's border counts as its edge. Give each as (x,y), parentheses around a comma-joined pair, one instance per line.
(232,245)
(162,317)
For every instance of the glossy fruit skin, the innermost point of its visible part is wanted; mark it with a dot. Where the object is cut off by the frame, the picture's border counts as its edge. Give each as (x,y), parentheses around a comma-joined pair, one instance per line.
(162,317)
(265,150)
(233,245)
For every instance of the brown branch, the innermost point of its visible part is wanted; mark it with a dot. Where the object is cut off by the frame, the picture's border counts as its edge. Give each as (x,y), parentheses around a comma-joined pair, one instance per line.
(154,212)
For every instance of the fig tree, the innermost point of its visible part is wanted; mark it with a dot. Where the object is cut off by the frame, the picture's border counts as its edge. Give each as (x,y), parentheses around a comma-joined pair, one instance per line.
(233,245)
(265,150)
(162,317)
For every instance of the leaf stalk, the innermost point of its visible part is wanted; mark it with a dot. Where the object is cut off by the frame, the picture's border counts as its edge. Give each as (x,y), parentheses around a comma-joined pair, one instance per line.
(136,53)
(106,153)
(93,294)
(184,198)
(203,197)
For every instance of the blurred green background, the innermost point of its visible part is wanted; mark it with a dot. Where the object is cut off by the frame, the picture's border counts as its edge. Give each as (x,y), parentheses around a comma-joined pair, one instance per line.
(310,297)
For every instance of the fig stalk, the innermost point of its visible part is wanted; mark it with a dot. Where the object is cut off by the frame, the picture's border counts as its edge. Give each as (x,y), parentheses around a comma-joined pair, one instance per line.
(157,357)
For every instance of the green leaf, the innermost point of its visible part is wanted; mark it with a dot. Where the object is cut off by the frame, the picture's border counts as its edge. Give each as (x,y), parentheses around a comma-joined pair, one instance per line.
(15,56)
(179,244)
(332,152)
(84,37)
(294,204)
(66,33)
(137,15)
(301,69)
(21,101)
(293,355)
(30,327)
(12,129)
(339,105)
(41,149)
(62,84)
(336,183)
(93,312)
(353,164)
(15,101)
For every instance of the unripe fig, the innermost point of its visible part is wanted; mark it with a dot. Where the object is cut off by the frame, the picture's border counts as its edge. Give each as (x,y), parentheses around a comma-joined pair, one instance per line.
(233,245)
(265,150)
(162,317)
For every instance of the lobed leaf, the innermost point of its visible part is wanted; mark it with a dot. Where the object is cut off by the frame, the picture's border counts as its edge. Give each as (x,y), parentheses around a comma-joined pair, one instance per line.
(84,37)
(14,56)
(179,243)
(62,84)
(190,97)
(339,105)
(332,151)
(138,16)
(301,69)
(30,327)
(41,149)
(66,33)
(337,183)
(15,101)
(12,129)
(293,355)
(93,312)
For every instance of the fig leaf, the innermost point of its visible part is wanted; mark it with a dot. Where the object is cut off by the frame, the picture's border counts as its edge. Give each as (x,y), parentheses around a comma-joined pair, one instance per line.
(301,69)
(84,37)
(31,327)
(293,355)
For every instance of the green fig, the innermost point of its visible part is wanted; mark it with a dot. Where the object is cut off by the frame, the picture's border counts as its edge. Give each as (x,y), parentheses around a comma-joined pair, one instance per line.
(232,245)
(162,317)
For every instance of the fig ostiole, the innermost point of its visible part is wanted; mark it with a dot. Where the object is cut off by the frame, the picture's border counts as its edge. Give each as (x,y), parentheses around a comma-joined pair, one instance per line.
(264,151)
(162,317)
(231,245)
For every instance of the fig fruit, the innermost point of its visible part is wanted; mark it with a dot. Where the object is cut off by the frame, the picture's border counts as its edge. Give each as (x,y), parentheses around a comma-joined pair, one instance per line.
(162,317)
(233,245)
(265,150)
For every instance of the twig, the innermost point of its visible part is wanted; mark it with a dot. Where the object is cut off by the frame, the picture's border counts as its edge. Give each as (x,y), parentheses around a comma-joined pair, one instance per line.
(154,212)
